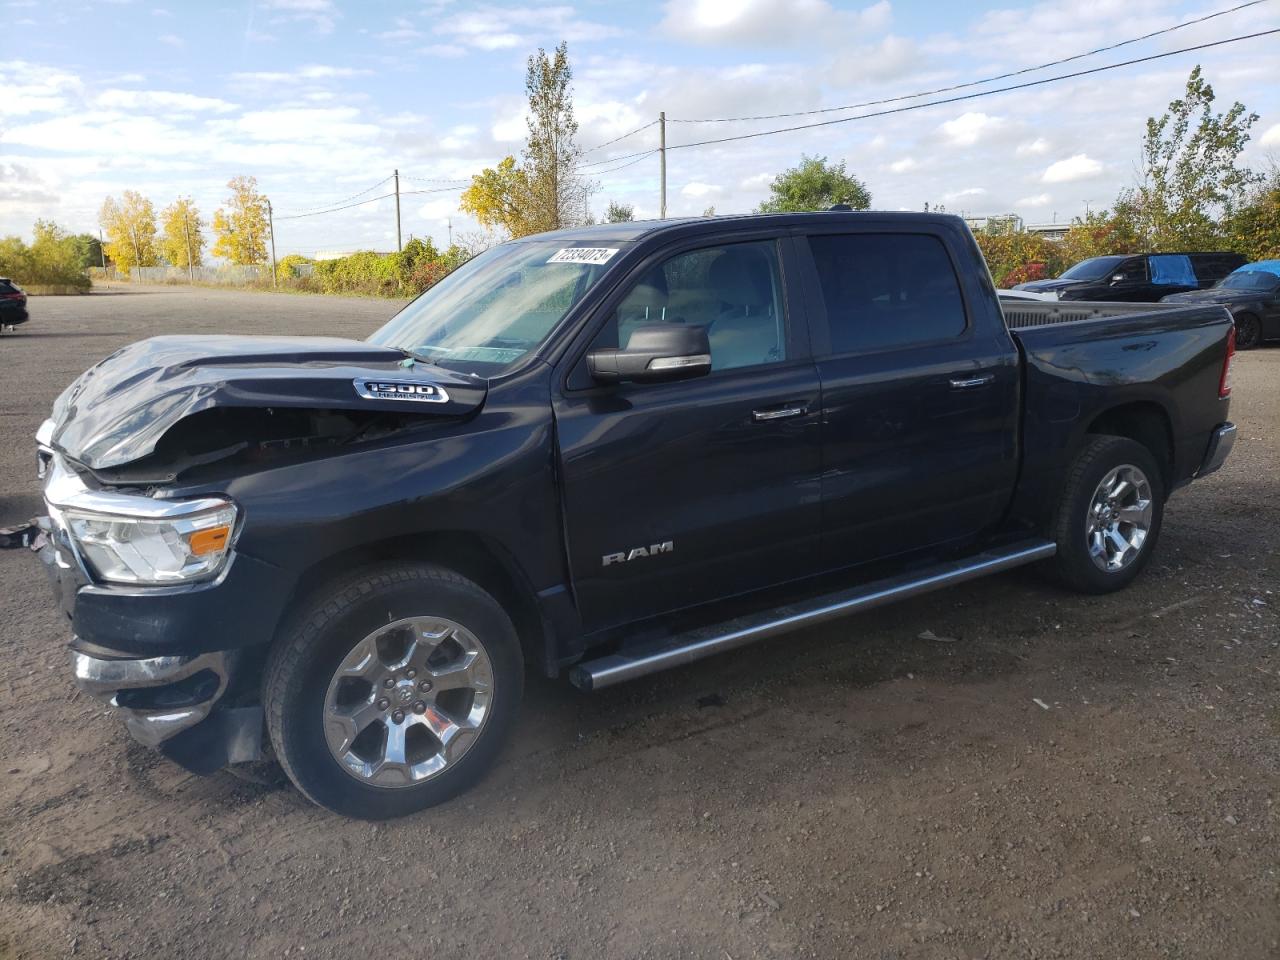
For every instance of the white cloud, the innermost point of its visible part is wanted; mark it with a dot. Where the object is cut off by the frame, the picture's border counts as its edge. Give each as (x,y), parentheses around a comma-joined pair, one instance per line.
(1039,200)
(161,100)
(1272,137)
(969,128)
(503,28)
(402,32)
(1078,167)
(447,50)
(700,190)
(321,14)
(769,23)
(1032,148)
(313,72)
(905,165)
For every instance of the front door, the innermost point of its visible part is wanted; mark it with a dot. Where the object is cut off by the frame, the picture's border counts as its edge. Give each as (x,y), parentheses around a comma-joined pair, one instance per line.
(678,494)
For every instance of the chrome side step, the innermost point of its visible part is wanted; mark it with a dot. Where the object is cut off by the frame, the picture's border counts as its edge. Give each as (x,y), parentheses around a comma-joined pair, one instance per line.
(707,641)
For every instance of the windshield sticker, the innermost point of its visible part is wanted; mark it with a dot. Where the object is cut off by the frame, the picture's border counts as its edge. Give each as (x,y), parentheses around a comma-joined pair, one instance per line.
(584,255)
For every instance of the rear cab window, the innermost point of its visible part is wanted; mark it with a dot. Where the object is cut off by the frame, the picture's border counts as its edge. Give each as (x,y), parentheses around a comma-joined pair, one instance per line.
(885,291)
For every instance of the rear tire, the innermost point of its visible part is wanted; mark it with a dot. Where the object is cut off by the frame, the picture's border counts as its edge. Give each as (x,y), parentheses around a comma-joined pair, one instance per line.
(393,690)
(1108,519)
(1248,332)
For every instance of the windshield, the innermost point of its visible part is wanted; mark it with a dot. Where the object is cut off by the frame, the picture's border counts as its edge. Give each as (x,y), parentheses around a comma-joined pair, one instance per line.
(493,310)
(1251,280)
(1095,268)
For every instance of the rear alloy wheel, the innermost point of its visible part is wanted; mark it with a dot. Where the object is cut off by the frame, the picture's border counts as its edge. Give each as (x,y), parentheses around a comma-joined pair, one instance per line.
(393,690)
(1109,517)
(1248,331)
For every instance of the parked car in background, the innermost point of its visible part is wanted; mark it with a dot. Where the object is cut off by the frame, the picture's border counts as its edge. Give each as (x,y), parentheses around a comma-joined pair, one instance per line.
(1138,278)
(13,304)
(1252,294)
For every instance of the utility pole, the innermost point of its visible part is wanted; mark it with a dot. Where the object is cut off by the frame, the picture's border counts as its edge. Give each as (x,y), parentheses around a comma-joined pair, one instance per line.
(102,252)
(271,224)
(137,251)
(399,246)
(448,222)
(186,230)
(662,164)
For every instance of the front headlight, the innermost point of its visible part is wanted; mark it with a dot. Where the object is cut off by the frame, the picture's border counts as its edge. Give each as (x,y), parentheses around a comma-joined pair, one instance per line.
(150,549)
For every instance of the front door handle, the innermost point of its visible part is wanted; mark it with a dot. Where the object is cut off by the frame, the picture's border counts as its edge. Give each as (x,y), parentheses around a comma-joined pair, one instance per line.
(778,413)
(965,383)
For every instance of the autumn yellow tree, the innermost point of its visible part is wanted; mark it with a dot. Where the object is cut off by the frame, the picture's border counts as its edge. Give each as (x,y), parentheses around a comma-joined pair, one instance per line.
(240,229)
(130,223)
(500,199)
(182,240)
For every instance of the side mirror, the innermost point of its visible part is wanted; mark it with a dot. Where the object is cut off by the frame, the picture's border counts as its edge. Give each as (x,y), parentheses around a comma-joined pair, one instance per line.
(1117,277)
(657,353)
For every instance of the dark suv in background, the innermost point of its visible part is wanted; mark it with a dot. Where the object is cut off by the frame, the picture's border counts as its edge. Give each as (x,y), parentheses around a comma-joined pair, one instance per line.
(13,304)
(1140,278)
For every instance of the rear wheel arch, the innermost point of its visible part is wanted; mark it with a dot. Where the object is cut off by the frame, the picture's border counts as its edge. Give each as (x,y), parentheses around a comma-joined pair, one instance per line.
(1248,330)
(1145,422)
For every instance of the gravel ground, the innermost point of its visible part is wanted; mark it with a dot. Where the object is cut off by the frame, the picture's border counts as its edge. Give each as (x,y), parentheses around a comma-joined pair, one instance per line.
(1054,776)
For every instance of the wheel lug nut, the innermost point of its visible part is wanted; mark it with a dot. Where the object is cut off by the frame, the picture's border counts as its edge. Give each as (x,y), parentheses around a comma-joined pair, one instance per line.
(419,707)
(425,686)
(389,682)
(383,703)
(411,673)
(397,717)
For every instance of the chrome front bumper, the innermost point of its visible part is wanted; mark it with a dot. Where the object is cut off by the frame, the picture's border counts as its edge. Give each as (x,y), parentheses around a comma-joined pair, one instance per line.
(158,697)
(1220,444)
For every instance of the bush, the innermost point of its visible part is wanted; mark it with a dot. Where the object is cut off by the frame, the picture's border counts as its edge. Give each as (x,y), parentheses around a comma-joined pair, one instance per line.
(1009,256)
(416,268)
(53,259)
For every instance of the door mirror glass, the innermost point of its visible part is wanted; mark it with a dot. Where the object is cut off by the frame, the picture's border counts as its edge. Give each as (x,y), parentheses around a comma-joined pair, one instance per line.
(655,353)
(1117,277)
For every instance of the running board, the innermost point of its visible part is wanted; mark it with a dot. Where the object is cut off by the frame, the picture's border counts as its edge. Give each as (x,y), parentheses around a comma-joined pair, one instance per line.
(707,641)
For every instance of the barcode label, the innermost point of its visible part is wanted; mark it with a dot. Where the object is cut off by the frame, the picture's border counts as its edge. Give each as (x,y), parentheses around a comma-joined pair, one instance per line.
(583,255)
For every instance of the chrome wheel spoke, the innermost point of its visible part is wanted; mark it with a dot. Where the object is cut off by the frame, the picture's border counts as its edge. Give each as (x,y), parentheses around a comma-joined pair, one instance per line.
(1119,518)
(1138,514)
(407,701)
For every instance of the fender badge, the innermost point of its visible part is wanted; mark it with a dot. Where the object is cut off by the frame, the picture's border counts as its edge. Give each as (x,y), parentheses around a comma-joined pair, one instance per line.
(401,390)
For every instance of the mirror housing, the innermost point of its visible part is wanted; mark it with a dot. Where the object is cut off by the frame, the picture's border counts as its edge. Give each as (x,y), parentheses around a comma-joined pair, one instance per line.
(655,353)
(1117,277)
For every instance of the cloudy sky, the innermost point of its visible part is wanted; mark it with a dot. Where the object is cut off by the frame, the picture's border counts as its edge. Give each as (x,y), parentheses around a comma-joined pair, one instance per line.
(320,99)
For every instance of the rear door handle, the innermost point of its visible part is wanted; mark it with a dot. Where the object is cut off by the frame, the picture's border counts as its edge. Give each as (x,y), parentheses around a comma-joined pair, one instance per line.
(778,413)
(965,383)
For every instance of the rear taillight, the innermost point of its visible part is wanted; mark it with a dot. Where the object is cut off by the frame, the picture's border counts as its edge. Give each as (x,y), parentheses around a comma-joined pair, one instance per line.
(13,296)
(1224,384)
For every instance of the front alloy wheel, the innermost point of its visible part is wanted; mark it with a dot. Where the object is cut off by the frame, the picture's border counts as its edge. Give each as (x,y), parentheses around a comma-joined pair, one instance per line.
(407,701)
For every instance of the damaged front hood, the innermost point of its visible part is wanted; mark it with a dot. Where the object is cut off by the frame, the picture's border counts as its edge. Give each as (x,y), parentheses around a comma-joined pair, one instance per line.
(117,411)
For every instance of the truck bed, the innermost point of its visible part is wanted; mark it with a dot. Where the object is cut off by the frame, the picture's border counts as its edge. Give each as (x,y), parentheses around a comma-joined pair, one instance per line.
(1022,314)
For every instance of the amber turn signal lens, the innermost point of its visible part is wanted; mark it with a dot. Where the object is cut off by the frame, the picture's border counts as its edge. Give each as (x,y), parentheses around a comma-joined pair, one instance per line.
(208,541)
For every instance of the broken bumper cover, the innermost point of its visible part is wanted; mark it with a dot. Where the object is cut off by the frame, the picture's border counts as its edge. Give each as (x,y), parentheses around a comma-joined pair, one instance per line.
(1220,444)
(172,703)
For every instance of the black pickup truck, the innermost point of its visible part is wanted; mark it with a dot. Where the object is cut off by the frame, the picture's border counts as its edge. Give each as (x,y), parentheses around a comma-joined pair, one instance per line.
(600,452)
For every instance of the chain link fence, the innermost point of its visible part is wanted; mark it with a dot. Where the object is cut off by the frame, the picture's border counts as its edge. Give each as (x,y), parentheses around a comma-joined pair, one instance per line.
(231,275)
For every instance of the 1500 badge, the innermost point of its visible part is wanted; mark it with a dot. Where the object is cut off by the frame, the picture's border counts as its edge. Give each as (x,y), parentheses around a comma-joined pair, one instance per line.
(401,390)
(635,553)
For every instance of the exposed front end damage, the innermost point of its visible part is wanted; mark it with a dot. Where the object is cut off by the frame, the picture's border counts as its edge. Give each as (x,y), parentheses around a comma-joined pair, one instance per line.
(140,543)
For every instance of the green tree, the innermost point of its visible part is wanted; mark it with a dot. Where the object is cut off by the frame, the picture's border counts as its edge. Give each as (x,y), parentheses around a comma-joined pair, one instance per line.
(182,239)
(619,212)
(1192,183)
(53,258)
(240,229)
(130,224)
(545,191)
(815,185)
(1255,228)
(88,250)
(1098,234)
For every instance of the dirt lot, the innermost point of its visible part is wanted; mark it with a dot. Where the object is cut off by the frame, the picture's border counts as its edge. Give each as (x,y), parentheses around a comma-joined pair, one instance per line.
(850,791)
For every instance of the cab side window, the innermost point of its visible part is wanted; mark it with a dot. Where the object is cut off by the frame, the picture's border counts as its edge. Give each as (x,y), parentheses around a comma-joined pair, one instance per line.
(734,291)
(885,291)
(1132,271)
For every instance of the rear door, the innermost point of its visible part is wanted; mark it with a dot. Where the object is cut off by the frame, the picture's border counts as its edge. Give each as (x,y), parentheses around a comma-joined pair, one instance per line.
(677,494)
(1131,283)
(921,393)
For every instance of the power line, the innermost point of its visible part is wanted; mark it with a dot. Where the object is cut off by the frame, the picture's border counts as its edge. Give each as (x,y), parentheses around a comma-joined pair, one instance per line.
(346,206)
(600,173)
(344,199)
(962,97)
(405,176)
(974,83)
(600,146)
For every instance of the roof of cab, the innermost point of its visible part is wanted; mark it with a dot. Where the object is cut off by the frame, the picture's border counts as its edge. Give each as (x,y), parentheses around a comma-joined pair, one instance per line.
(640,229)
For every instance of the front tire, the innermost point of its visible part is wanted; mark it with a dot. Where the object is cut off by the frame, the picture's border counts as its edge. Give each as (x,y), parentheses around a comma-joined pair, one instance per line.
(393,690)
(1108,519)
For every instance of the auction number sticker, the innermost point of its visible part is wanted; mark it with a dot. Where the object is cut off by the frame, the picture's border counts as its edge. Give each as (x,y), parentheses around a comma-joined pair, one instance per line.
(584,255)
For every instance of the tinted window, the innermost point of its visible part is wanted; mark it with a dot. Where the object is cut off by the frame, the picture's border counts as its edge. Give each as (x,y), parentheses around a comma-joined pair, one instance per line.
(1095,268)
(1215,266)
(1254,280)
(6,287)
(734,291)
(887,290)
(1133,270)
